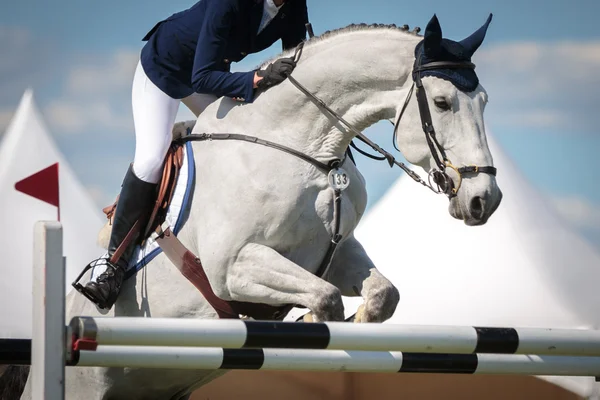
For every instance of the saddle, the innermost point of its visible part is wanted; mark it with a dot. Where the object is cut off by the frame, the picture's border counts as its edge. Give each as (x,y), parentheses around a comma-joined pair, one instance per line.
(186,262)
(171,168)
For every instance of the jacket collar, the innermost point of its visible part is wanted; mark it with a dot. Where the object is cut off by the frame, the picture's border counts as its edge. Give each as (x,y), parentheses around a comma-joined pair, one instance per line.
(256,15)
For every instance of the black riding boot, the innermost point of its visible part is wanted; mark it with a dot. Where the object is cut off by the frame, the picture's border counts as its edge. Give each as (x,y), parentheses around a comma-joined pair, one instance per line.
(134,204)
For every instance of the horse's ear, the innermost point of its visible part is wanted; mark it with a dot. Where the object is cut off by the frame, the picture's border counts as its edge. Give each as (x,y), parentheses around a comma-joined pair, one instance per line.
(472,43)
(432,37)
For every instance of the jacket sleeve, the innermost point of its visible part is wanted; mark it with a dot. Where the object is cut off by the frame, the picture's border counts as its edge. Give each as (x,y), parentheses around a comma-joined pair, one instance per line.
(297,31)
(210,51)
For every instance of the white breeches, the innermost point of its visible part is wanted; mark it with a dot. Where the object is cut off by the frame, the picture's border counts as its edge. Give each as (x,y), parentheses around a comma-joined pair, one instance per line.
(154,114)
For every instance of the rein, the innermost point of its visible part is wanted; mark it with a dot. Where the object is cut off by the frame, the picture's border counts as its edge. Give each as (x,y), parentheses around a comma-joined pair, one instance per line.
(443,181)
(359,135)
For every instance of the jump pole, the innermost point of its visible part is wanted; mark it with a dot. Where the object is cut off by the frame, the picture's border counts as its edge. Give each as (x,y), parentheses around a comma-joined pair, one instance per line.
(336,360)
(239,334)
(48,325)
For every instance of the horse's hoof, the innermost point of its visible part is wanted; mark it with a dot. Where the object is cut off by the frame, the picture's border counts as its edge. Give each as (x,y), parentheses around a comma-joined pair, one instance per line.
(358,317)
(308,317)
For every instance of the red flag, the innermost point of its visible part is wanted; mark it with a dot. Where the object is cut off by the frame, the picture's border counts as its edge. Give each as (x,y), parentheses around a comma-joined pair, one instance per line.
(42,185)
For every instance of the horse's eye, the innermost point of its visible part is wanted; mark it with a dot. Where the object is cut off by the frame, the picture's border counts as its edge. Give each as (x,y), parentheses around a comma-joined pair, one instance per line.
(441,103)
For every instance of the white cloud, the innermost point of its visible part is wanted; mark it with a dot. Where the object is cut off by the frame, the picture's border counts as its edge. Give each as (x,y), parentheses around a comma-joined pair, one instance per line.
(538,118)
(25,61)
(535,69)
(68,117)
(579,211)
(542,85)
(96,96)
(93,78)
(96,91)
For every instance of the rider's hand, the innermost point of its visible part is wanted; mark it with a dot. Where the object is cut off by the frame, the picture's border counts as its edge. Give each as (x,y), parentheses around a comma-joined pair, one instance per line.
(275,73)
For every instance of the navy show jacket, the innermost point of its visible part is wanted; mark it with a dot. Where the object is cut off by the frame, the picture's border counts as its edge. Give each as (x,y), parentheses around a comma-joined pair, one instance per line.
(192,51)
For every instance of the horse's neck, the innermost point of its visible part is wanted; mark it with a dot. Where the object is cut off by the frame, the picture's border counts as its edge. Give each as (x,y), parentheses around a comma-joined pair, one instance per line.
(358,74)
(362,75)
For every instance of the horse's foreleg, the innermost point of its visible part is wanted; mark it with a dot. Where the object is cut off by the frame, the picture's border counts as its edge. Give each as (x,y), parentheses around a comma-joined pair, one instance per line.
(262,275)
(353,272)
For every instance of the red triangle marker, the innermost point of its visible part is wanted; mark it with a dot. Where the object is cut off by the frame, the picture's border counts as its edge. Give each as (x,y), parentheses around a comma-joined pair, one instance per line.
(42,185)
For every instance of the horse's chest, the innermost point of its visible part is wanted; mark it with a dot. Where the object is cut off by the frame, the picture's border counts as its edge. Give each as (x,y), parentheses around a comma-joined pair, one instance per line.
(351,205)
(312,219)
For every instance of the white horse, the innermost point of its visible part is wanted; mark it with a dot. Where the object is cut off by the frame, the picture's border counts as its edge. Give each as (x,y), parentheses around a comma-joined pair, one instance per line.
(261,219)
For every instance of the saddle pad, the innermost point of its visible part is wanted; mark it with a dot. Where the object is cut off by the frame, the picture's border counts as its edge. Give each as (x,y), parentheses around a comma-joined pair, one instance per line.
(181,198)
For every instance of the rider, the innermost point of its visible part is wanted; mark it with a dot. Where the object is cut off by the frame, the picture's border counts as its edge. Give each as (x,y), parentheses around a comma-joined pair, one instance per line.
(187,59)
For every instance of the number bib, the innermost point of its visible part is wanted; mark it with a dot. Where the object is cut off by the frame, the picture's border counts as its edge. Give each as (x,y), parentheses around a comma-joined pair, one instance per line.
(338,179)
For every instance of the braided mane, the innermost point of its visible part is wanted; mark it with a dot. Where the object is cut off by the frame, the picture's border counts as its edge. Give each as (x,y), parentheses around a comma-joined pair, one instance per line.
(360,27)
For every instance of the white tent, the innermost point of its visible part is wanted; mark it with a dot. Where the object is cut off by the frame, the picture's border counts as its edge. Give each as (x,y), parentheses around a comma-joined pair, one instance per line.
(27,148)
(524,268)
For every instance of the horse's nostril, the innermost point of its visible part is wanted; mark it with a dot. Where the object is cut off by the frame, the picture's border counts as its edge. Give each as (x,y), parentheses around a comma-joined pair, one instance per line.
(476,207)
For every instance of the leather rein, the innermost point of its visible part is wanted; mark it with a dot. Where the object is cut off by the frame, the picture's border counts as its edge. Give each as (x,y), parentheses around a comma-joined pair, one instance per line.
(443,182)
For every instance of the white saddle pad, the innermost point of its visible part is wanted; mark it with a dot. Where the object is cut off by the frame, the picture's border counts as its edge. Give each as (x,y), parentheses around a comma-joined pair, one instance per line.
(181,197)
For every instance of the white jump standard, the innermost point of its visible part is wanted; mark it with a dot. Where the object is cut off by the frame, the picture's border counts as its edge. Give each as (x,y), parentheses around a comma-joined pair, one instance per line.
(237,334)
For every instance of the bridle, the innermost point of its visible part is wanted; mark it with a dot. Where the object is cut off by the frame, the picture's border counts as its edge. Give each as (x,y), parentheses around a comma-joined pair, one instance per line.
(443,182)
(440,177)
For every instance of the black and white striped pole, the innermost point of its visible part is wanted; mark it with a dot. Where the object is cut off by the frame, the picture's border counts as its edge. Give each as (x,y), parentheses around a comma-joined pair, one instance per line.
(238,334)
(335,360)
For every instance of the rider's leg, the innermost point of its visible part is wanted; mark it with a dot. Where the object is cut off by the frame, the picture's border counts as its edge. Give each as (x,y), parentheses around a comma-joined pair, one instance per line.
(153,114)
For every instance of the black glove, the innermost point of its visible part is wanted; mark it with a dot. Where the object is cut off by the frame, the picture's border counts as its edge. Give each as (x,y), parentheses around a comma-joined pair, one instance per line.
(275,73)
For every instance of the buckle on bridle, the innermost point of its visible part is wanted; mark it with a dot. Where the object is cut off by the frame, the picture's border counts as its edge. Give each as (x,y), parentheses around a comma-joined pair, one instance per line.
(441,181)
(444,182)
(455,188)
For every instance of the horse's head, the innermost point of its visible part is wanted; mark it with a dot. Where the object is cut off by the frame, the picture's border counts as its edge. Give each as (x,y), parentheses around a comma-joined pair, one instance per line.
(443,131)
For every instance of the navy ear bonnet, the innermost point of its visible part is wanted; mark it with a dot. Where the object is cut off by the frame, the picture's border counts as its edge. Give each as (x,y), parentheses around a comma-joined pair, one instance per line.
(435,48)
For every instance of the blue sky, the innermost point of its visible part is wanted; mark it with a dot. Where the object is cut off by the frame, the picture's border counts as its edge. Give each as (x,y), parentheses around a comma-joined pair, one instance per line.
(539,63)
